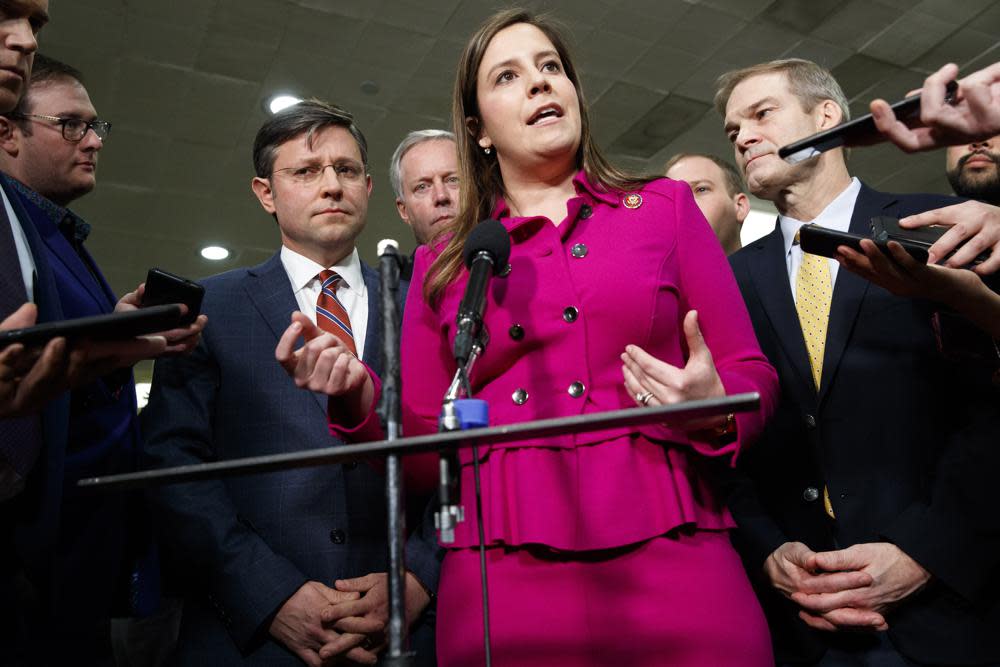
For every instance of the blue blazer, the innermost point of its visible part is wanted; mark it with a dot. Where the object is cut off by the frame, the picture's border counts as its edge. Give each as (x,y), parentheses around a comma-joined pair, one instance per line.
(244,545)
(77,546)
(905,442)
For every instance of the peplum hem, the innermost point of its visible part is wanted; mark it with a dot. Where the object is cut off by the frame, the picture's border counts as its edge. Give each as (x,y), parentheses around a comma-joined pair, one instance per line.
(598,496)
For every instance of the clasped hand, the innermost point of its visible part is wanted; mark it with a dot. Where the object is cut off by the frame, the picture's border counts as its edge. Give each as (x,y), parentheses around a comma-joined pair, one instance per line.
(850,588)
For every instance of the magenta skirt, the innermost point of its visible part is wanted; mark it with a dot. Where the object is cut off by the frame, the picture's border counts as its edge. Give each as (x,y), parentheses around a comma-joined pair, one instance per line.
(679,600)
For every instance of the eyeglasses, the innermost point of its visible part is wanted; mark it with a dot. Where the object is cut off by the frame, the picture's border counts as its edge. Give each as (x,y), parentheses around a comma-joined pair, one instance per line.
(74,129)
(309,174)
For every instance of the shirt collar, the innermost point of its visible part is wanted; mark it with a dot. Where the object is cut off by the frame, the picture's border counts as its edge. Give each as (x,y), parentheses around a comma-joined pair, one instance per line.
(301,270)
(73,227)
(836,215)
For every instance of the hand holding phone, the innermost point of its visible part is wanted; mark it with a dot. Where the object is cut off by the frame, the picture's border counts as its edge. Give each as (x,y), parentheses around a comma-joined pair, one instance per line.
(163,287)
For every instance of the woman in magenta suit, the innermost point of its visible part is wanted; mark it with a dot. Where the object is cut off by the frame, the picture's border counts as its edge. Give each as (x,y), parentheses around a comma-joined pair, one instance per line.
(606,547)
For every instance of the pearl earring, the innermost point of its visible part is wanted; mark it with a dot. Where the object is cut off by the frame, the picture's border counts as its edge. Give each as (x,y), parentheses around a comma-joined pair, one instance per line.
(487,150)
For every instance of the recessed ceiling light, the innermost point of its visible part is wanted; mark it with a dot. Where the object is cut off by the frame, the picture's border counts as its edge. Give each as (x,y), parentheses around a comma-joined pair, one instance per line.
(215,253)
(278,102)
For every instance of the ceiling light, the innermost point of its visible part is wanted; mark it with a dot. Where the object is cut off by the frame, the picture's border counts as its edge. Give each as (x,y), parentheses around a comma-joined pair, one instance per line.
(215,253)
(278,102)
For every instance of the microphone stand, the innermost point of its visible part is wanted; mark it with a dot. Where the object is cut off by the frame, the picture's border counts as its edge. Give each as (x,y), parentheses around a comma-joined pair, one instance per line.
(449,492)
(389,410)
(450,512)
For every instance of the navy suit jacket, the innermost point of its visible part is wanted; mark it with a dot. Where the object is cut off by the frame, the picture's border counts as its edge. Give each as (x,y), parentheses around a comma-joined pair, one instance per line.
(76,549)
(246,544)
(906,444)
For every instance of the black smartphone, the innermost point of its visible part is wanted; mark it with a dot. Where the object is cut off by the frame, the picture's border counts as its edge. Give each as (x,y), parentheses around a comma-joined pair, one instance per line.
(163,287)
(857,132)
(916,242)
(114,326)
(817,240)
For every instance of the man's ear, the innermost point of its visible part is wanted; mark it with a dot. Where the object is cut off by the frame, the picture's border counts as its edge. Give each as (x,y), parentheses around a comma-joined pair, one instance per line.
(401,208)
(742,204)
(828,114)
(10,136)
(265,195)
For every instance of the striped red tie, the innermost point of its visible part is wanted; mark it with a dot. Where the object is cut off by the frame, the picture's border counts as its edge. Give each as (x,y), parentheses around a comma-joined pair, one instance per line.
(331,315)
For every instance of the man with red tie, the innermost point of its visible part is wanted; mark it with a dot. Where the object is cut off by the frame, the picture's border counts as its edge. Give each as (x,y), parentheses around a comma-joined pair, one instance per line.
(260,555)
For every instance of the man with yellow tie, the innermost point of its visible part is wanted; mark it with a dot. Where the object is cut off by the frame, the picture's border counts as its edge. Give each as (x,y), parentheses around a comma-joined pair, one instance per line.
(862,511)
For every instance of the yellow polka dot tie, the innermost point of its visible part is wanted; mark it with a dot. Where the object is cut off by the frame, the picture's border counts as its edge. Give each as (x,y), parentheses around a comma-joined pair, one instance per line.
(813,293)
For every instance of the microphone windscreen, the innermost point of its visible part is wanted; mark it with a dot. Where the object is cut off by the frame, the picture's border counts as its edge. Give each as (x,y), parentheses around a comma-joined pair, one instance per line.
(489,236)
(385,244)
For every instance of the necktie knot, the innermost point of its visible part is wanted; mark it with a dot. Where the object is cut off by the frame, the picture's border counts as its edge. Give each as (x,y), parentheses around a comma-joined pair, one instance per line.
(329,278)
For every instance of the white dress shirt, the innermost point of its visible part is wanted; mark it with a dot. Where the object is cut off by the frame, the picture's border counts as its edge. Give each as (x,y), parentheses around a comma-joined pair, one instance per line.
(352,291)
(23,249)
(836,215)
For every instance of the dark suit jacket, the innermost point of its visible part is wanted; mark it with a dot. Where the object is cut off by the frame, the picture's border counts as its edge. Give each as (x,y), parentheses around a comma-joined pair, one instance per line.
(246,544)
(906,444)
(76,549)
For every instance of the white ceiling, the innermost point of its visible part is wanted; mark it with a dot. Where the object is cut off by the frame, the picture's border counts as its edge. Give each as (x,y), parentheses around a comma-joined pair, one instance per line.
(183,83)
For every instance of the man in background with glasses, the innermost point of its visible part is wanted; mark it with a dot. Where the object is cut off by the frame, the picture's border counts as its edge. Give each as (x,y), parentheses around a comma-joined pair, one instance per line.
(83,557)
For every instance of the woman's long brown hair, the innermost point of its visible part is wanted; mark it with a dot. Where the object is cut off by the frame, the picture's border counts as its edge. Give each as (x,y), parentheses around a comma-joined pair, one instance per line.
(481,182)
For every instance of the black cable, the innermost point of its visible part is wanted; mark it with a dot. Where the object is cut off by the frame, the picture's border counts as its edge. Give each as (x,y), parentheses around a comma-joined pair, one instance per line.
(467,388)
(482,556)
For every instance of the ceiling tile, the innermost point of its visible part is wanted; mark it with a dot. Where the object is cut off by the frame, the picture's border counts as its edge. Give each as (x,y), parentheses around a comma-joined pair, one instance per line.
(105,27)
(961,47)
(423,17)
(701,30)
(908,38)
(320,37)
(163,42)
(700,85)
(261,22)
(662,68)
(799,16)
(761,41)
(855,23)
(659,126)
(953,12)
(858,73)
(386,47)
(623,104)
(819,51)
(745,9)
(621,52)
(235,56)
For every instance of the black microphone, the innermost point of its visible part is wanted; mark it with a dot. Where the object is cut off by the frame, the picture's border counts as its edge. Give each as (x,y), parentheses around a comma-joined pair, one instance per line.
(486,253)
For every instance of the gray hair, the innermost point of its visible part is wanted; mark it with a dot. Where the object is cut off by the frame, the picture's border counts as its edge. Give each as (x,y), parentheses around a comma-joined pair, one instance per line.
(809,82)
(411,140)
(307,117)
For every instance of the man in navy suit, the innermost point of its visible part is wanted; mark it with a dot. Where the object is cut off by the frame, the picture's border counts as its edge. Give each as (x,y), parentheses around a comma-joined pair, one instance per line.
(260,555)
(865,512)
(82,558)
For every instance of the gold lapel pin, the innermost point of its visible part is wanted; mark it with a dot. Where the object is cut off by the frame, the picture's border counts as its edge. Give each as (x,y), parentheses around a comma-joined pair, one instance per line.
(633,200)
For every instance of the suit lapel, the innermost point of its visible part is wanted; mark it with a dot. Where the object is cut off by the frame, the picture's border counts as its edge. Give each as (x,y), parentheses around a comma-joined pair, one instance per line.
(270,291)
(769,274)
(850,290)
(372,354)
